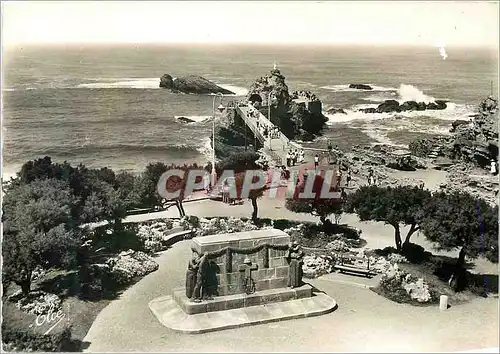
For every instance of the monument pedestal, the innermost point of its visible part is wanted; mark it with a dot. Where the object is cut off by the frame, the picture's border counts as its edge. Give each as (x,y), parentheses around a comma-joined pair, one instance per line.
(253,270)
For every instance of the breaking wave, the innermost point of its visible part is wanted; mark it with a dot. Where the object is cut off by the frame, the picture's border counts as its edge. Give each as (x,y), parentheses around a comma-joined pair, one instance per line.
(238,90)
(139,83)
(192,119)
(452,112)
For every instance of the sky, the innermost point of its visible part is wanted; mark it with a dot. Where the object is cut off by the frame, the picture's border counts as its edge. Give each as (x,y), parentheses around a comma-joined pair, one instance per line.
(447,23)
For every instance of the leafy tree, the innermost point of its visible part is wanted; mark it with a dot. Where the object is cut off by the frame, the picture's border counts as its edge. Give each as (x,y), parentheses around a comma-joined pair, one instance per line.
(459,220)
(322,207)
(38,229)
(394,206)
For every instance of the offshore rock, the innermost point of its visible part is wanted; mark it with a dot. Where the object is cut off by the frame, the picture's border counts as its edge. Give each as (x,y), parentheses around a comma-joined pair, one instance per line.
(360,87)
(192,84)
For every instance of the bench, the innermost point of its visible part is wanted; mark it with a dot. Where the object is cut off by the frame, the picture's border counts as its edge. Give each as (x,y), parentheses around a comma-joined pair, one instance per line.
(345,267)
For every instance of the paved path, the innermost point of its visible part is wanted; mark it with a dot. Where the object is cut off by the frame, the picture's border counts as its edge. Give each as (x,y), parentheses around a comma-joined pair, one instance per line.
(364,321)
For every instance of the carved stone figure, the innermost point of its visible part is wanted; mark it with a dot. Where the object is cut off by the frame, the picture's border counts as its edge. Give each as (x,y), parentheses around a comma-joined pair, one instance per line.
(210,283)
(295,258)
(194,277)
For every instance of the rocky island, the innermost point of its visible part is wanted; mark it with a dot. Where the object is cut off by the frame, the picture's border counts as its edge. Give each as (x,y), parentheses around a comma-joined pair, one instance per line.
(193,84)
(360,87)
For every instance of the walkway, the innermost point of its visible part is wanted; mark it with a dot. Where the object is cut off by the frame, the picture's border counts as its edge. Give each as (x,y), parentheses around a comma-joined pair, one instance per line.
(274,149)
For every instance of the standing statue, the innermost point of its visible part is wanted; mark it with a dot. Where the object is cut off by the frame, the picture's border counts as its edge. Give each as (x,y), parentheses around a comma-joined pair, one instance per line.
(294,257)
(194,276)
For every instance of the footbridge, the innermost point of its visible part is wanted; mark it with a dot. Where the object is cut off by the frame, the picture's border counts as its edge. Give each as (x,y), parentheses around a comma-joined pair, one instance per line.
(275,148)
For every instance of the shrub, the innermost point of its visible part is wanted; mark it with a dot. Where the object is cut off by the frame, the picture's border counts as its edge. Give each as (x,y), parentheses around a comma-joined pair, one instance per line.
(414,253)
(28,340)
(117,241)
(283,224)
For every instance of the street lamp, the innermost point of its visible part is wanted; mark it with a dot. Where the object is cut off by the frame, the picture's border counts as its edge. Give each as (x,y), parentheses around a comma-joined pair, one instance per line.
(220,108)
(269,116)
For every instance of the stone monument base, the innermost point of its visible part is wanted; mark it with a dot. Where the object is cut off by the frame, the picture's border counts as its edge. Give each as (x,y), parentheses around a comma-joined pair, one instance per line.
(230,302)
(212,315)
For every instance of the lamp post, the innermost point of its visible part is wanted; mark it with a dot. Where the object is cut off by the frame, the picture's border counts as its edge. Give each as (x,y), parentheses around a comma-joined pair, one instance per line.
(220,108)
(269,117)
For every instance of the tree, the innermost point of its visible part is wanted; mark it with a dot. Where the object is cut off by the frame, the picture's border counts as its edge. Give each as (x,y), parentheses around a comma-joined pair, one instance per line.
(39,229)
(240,163)
(318,206)
(253,194)
(459,220)
(394,206)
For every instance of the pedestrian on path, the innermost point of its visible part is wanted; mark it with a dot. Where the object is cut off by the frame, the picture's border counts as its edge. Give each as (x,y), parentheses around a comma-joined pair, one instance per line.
(316,161)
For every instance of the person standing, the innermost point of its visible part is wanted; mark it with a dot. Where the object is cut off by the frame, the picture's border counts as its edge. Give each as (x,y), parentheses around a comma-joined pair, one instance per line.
(288,159)
(493,168)
(294,258)
(370,177)
(348,177)
(316,161)
(206,181)
(339,176)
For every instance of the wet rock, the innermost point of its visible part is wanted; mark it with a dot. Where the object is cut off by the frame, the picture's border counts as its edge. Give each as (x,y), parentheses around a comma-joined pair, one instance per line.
(360,87)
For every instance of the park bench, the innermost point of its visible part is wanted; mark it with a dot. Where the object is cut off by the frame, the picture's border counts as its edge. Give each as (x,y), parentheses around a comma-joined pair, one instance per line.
(345,264)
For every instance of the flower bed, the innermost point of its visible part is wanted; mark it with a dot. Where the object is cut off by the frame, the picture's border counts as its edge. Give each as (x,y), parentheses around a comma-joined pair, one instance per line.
(317,265)
(400,286)
(129,265)
(39,303)
(152,234)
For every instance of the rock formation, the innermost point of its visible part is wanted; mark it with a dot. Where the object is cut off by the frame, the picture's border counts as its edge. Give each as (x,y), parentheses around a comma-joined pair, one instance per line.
(302,118)
(360,87)
(191,84)
(474,141)
(394,106)
(336,111)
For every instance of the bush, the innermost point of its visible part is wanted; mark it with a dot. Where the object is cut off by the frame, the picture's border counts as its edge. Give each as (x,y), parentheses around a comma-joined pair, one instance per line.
(385,252)
(414,253)
(28,340)
(114,242)
(282,224)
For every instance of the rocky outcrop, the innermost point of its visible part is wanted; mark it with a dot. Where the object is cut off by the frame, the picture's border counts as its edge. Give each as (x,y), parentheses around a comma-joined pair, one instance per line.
(301,120)
(457,123)
(192,84)
(474,141)
(336,111)
(360,87)
(394,106)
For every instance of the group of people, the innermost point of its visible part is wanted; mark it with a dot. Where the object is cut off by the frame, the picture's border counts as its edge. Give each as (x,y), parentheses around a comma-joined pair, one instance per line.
(294,157)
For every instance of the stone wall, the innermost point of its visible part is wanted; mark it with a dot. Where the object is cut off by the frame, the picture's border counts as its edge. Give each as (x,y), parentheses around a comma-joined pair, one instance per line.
(272,269)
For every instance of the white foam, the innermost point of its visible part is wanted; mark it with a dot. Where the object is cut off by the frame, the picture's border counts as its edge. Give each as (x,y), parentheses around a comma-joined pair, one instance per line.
(346,88)
(238,90)
(195,119)
(136,83)
(206,148)
(452,112)
(412,93)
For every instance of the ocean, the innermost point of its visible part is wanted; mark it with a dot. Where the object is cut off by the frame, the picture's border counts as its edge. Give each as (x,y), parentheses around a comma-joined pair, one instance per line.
(100,105)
